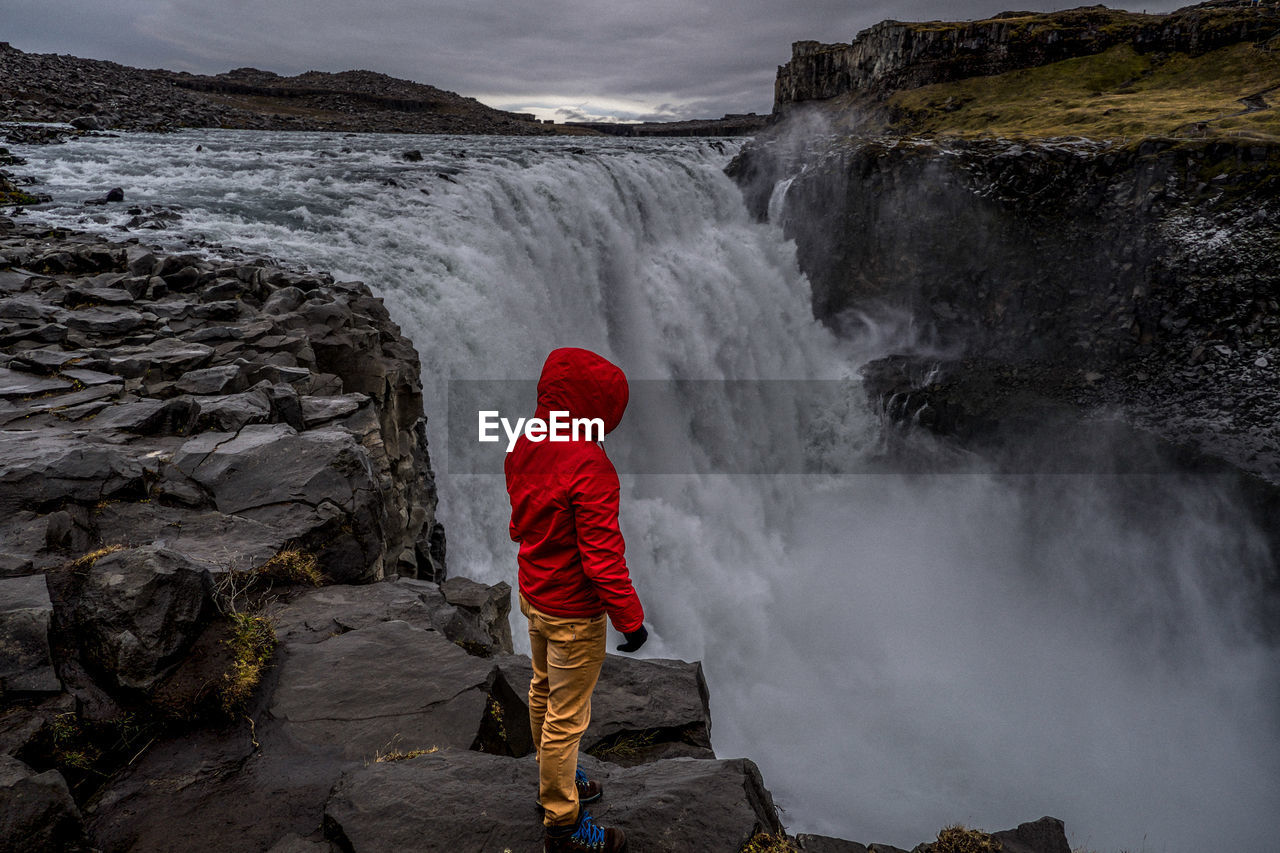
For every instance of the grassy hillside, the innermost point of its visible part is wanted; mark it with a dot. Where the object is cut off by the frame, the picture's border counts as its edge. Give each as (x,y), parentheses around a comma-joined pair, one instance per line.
(1116,94)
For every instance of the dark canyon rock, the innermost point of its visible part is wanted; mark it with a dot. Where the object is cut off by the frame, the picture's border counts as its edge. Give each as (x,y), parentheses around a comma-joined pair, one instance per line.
(431,803)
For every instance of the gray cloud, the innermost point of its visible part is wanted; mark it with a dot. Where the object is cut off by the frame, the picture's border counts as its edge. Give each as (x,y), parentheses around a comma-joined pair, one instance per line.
(660,59)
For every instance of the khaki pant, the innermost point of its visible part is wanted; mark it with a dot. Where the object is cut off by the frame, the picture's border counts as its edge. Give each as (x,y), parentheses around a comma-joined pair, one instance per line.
(567,656)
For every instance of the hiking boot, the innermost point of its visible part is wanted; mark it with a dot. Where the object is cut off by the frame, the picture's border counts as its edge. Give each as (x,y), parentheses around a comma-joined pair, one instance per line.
(585,835)
(589,790)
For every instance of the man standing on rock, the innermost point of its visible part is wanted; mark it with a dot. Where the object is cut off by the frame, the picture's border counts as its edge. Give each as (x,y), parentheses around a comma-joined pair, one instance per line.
(573,571)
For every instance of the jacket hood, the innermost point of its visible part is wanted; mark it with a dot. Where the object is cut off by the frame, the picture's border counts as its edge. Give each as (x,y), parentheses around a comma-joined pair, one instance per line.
(584,384)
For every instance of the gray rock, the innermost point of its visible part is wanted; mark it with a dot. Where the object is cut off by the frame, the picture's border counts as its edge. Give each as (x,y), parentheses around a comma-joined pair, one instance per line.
(827,844)
(284,301)
(294,843)
(386,686)
(317,485)
(110,321)
(167,358)
(639,709)
(321,410)
(26,664)
(36,811)
(46,360)
(223,379)
(136,612)
(490,605)
(232,412)
(91,377)
(885,848)
(320,613)
(87,123)
(152,417)
(15,384)
(37,469)
(1046,835)
(661,807)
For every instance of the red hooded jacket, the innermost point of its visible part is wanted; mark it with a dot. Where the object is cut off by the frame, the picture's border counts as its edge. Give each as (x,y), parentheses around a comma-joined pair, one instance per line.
(564,499)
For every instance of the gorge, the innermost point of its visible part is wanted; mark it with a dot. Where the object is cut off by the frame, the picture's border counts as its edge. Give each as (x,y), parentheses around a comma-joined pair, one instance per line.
(1006,547)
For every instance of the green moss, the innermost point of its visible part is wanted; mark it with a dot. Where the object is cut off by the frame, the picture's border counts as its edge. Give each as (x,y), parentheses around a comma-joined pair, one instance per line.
(1116,94)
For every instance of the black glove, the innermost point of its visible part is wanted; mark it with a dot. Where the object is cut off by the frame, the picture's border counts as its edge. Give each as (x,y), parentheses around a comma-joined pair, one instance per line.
(635,639)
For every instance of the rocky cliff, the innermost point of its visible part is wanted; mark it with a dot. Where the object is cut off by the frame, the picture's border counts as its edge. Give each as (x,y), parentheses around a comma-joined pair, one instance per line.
(893,55)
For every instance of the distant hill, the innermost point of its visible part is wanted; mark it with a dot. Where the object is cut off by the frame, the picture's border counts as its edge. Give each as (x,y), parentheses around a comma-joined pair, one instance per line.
(99,95)
(1209,69)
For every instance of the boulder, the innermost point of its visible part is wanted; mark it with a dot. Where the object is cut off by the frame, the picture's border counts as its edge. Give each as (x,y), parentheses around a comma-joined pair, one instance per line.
(489,605)
(177,416)
(461,800)
(136,611)
(1046,835)
(317,487)
(384,687)
(43,468)
(641,709)
(36,811)
(317,614)
(231,412)
(223,379)
(26,665)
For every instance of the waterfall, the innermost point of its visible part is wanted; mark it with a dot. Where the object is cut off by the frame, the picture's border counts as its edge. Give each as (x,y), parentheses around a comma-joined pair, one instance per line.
(897,651)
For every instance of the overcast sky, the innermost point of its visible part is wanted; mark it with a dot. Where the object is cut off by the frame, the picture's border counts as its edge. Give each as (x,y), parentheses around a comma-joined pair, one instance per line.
(563,59)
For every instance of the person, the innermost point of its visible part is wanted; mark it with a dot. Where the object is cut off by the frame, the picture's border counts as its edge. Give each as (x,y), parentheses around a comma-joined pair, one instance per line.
(572,572)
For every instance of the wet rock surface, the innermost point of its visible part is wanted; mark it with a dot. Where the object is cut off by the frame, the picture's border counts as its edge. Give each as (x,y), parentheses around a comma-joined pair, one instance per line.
(163,384)
(1067,275)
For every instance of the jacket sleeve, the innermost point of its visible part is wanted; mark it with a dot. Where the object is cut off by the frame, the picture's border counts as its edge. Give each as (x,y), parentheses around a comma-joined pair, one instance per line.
(593,493)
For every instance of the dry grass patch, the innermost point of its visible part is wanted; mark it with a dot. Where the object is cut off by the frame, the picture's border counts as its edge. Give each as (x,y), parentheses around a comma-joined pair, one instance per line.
(293,566)
(958,838)
(252,644)
(1116,94)
(86,562)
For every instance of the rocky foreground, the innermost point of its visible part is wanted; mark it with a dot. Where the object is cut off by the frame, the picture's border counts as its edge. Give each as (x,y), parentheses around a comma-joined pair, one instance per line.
(225,617)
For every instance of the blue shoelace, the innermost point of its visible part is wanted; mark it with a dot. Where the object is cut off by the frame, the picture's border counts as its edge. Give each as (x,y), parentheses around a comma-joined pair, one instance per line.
(588,832)
(579,777)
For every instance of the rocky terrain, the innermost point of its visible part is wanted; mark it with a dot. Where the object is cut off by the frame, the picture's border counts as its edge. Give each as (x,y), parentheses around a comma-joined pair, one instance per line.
(225,616)
(96,95)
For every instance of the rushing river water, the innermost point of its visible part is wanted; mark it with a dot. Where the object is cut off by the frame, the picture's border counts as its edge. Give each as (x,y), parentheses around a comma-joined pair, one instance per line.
(896,651)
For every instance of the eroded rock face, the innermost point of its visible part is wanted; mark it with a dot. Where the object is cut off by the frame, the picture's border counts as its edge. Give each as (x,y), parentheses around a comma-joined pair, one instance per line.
(36,811)
(893,55)
(136,612)
(26,663)
(361,672)
(182,387)
(433,802)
